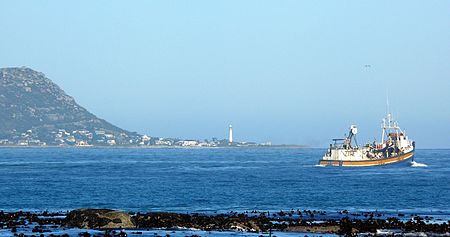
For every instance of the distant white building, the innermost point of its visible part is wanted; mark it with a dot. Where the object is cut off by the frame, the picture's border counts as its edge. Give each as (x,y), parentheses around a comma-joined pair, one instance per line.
(82,143)
(83,132)
(162,142)
(204,144)
(145,138)
(109,136)
(188,143)
(34,142)
(23,143)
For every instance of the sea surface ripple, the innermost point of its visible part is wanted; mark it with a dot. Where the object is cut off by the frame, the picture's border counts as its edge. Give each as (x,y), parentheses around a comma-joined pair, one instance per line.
(216,180)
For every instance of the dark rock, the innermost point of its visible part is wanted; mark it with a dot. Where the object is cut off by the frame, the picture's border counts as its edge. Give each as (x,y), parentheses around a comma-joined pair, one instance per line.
(99,218)
(84,234)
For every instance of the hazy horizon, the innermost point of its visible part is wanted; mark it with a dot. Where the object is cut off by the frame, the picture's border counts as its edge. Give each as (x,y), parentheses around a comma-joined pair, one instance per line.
(284,71)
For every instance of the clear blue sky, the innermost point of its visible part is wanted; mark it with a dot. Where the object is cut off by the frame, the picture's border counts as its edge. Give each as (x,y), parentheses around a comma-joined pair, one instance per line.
(281,71)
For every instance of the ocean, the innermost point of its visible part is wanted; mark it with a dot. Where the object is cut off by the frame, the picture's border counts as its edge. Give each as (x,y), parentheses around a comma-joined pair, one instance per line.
(216,180)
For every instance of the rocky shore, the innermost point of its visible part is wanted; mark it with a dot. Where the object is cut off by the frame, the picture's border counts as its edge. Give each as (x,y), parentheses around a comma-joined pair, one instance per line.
(304,222)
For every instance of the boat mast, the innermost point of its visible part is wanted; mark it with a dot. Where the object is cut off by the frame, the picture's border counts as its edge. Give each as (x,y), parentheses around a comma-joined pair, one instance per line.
(388,125)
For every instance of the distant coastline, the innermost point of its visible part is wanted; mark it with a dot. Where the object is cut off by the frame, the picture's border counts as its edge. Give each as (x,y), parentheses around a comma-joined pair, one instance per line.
(45,116)
(159,147)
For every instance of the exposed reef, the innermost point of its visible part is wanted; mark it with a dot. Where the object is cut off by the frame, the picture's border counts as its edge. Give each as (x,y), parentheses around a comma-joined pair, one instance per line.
(112,222)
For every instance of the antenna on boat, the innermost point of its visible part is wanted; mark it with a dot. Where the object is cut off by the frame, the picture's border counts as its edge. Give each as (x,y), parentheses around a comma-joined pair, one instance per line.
(386,121)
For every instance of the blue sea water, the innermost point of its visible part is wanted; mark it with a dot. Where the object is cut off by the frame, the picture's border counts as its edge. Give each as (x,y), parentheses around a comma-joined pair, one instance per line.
(215,180)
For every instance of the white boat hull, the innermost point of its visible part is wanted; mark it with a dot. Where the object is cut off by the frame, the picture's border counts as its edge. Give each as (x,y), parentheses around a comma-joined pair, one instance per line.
(370,162)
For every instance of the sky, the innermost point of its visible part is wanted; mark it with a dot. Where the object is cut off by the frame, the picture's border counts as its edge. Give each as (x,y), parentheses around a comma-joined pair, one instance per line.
(289,72)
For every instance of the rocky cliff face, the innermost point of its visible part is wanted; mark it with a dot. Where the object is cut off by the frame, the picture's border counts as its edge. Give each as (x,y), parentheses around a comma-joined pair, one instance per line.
(36,111)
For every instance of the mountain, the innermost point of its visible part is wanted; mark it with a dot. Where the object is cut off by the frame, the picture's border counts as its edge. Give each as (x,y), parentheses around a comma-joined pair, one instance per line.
(36,111)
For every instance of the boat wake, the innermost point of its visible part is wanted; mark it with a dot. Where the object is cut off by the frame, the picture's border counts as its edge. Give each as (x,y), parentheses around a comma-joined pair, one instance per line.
(417,164)
(319,165)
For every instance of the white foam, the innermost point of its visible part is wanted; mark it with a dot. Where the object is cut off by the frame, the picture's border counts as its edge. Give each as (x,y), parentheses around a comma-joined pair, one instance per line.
(319,165)
(416,164)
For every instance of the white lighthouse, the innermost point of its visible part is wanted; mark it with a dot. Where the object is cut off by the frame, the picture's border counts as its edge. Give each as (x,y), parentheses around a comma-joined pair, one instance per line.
(230,138)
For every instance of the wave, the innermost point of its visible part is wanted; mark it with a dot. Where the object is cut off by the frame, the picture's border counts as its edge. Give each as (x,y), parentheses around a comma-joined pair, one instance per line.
(417,164)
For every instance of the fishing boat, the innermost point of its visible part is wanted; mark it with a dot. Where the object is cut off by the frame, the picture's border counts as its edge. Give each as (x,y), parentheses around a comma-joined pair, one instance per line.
(395,147)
